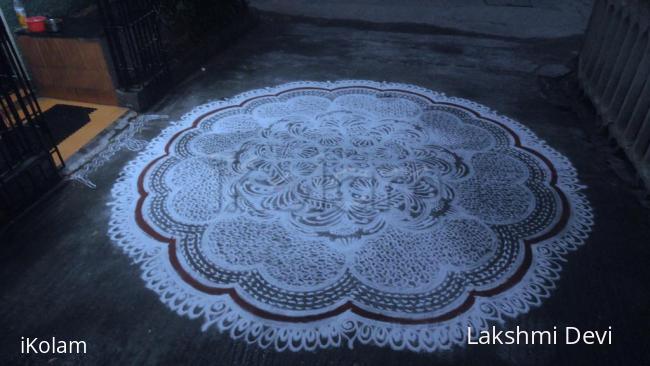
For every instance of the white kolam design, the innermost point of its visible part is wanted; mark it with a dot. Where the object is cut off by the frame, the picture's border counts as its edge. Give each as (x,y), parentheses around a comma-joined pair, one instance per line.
(314,215)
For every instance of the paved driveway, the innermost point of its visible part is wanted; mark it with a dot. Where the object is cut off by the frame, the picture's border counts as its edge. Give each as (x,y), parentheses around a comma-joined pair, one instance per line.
(61,275)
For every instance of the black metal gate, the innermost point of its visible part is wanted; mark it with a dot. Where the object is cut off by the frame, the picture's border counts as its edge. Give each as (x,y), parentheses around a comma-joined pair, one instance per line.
(29,159)
(133,34)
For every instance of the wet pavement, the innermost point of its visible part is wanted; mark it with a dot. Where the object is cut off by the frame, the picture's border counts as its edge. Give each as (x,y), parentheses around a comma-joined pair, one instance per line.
(61,276)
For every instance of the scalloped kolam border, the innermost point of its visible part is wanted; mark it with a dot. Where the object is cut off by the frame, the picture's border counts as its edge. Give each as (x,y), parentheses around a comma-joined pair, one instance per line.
(348,324)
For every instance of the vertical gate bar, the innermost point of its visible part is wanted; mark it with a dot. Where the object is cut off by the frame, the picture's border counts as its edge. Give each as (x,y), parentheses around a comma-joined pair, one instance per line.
(619,67)
(608,45)
(642,142)
(633,92)
(605,32)
(630,70)
(594,30)
(117,54)
(637,116)
(610,59)
(26,143)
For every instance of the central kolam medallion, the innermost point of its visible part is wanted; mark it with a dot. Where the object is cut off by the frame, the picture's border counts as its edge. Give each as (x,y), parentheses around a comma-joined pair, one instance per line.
(313,215)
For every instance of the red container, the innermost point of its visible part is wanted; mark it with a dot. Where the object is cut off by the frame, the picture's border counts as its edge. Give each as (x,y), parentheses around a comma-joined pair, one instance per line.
(36,24)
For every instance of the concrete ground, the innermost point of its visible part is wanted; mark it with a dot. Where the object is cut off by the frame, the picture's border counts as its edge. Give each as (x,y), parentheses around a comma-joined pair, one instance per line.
(61,276)
(511,18)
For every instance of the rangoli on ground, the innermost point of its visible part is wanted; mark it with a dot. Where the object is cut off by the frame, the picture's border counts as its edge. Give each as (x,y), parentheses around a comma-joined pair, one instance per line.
(315,215)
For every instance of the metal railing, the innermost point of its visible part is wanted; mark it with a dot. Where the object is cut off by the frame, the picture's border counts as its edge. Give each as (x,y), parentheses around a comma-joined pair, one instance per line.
(614,72)
(141,33)
(133,35)
(27,150)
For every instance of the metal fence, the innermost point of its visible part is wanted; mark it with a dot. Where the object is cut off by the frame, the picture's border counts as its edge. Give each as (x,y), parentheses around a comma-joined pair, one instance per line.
(28,155)
(614,71)
(133,34)
(141,34)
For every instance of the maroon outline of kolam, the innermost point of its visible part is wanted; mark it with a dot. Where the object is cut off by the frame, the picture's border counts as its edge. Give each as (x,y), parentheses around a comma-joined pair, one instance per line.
(349,305)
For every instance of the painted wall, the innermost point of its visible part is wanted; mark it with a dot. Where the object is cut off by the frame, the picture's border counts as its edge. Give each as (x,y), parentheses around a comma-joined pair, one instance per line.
(43,7)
